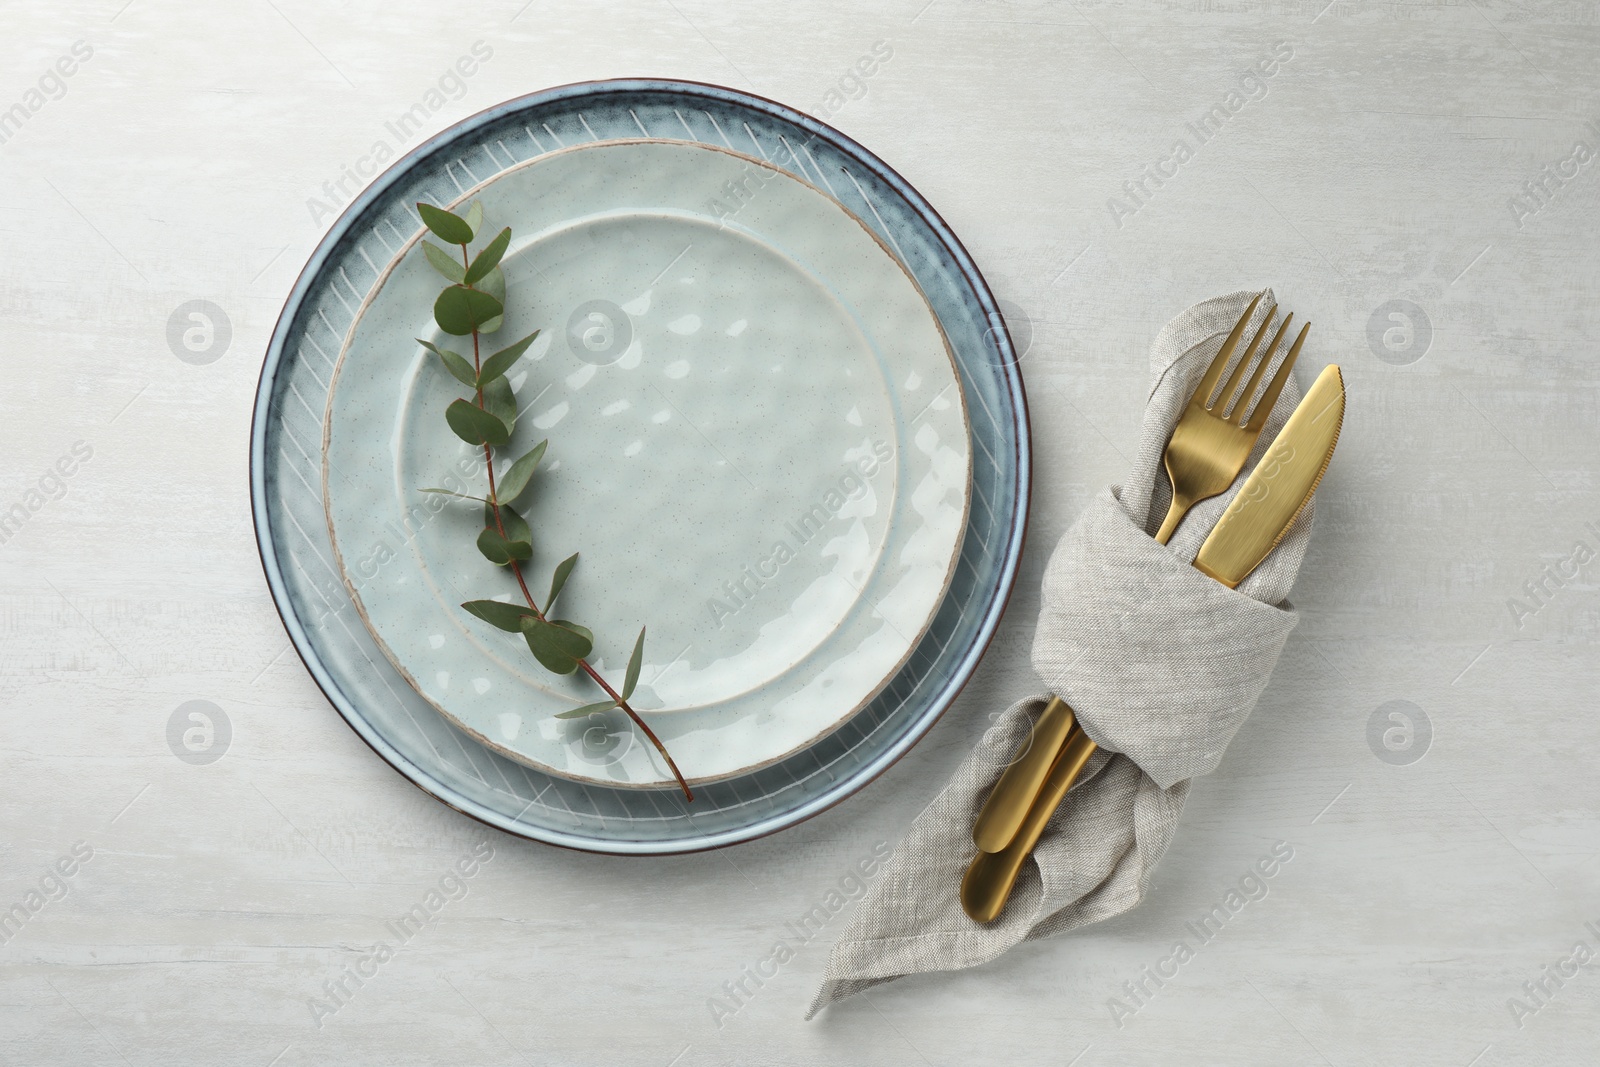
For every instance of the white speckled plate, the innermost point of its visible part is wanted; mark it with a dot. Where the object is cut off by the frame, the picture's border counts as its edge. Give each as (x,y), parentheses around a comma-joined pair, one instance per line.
(757,442)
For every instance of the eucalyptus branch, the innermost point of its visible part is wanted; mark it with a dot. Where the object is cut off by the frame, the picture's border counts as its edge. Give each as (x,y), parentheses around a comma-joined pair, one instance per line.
(474,305)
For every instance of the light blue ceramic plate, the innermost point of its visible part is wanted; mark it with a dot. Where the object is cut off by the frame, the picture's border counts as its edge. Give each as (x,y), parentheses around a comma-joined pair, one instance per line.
(757,439)
(899,609)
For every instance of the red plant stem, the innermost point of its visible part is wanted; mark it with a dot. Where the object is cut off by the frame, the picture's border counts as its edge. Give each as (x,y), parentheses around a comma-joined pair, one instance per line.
(516,569)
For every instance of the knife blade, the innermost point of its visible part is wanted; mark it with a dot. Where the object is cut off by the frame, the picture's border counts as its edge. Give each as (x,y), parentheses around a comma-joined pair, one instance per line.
(1258,517)
(1271,499)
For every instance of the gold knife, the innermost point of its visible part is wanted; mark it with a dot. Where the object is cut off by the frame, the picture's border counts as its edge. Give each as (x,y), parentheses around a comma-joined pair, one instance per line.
(1257,518)
(1280,486)
(992,874)
(1018,785)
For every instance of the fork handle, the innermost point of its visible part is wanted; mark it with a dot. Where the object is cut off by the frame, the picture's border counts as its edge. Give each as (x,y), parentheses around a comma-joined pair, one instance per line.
(1175,513)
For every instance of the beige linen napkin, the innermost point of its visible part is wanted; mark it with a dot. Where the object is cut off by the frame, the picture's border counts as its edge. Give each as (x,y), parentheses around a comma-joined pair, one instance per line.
(1161,665)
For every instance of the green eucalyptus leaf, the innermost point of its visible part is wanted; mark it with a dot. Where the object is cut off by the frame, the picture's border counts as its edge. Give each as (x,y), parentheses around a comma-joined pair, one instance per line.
(461,496)
(475,216)
(443,262)
(494,283)
(474,425)
(515,480)
(455,363)
(587,709)
(635,661)
(556,645)
(448,227)
(486,260)
(501,551)
(502,361)
(559,579)
(582,631)
(501,402)
(505,616)
(460,310)
(516,526)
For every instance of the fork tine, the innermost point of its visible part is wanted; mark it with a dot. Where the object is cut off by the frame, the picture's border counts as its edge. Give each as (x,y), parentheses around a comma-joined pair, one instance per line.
(1246,361)
(1237,415)
(1258,417)
(1202,392)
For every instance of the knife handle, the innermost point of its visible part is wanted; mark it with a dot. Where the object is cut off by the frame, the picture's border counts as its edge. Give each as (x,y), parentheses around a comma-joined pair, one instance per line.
(989,881)
(1003,813)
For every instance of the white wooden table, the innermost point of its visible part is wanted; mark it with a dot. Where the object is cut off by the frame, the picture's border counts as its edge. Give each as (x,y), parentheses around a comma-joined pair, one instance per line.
(227,890)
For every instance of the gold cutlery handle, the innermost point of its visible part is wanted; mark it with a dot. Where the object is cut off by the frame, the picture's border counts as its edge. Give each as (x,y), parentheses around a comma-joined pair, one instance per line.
(1175,512)
(989,880)
(1003,813)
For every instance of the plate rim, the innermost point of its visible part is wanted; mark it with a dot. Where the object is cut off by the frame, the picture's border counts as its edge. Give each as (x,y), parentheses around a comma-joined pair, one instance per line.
(1009,372)
(507,751)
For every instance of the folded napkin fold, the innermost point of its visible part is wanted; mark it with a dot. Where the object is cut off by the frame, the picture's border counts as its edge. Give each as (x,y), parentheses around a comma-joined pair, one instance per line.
(1161,664)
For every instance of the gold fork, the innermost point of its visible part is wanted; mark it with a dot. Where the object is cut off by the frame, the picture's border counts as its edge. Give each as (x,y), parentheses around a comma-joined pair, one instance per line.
(1212,440)
(1207,450)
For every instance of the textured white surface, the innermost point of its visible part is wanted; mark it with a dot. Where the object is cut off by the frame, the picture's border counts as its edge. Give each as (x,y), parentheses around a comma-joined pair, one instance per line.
(1379,164)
